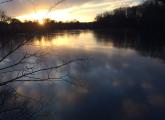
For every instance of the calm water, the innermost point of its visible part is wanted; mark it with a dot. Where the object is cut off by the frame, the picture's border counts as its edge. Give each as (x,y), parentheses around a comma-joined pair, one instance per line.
(121,78)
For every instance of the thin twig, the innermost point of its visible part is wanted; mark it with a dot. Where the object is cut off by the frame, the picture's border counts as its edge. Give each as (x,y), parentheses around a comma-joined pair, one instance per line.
(7,1)
(40,70)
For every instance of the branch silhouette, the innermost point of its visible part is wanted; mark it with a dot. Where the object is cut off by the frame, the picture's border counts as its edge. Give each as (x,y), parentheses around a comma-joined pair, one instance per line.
(7,1)
(36,71)
(52,7)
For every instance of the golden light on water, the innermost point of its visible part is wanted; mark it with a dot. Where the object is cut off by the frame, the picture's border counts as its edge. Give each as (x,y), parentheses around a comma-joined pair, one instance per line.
(55,42)
(71,42)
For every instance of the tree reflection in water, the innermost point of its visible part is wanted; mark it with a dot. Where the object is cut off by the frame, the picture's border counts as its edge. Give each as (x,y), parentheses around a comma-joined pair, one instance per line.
(123,79)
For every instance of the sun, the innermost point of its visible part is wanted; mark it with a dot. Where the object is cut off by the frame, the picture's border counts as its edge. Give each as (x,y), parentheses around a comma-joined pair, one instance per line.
(41,22)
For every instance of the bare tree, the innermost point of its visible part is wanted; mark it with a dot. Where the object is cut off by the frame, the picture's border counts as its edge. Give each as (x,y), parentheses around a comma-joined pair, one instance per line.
(14,106)
(17,66)
(27,69)
(7,1)
(3,16)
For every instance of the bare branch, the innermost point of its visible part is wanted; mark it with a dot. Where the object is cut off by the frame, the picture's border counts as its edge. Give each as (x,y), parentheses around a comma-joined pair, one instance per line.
(7,1)
(15,64)
(53,6)
(13,50)
(26,56)
(40,70)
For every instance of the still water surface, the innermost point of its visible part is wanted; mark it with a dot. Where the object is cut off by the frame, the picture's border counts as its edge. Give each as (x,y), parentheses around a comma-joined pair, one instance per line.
(121,78)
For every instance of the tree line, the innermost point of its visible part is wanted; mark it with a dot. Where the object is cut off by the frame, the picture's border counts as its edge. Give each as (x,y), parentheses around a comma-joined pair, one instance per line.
(148,15)
(12,25)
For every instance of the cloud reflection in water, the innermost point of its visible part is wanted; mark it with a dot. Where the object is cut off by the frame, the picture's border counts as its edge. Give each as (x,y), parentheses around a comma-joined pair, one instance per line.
(118,82)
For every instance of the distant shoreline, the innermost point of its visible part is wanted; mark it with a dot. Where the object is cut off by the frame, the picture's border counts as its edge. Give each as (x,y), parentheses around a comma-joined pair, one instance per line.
(148,17)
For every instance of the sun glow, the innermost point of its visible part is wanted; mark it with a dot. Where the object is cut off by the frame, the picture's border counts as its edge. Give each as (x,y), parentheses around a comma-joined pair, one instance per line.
(64,15)
(41,22)
(39,16)
(59,15)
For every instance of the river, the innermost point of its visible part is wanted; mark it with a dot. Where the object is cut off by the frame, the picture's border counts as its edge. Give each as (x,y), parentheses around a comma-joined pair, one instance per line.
(121,75)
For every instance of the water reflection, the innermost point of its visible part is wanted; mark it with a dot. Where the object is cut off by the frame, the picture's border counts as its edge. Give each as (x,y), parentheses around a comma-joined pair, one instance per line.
(73,41)
(145,43)
(122,80)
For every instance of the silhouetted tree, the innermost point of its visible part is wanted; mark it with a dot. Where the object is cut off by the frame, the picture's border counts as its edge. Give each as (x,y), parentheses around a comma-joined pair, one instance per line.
(148,15)
(3,16)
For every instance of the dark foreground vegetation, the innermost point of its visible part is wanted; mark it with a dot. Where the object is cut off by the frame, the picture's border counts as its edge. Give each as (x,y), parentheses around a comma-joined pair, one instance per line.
(146,16)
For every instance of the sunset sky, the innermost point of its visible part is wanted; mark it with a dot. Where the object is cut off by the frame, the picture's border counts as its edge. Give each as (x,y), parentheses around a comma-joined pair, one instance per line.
(82,10)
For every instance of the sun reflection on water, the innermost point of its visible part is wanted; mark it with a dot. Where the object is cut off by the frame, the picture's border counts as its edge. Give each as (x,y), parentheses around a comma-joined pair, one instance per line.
(77,41)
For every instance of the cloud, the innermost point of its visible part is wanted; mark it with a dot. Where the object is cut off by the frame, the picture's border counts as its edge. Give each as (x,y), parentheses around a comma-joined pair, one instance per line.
(75,7)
